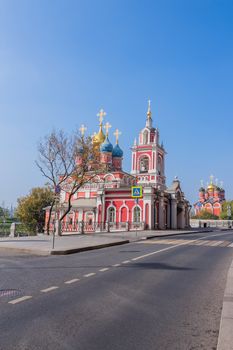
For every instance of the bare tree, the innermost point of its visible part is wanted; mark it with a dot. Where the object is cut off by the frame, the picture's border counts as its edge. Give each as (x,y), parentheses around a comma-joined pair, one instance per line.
(67,162)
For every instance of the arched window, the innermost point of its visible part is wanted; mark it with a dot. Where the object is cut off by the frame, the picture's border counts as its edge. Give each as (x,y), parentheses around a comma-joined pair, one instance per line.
(144,164)
(111,215)
(136,214)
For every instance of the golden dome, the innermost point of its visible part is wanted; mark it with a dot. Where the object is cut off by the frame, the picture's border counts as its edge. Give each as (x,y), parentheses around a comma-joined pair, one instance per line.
(99,138)
(211,187)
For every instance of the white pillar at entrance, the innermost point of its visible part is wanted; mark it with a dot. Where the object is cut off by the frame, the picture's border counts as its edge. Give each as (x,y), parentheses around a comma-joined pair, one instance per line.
(161,213)
(174,214)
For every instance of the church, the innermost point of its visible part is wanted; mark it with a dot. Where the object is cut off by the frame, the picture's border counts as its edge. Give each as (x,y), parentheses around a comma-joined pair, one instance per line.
(106,204)
(211,198)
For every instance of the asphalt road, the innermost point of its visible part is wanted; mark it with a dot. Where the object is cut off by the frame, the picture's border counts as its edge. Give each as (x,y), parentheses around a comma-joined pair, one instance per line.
(155,294)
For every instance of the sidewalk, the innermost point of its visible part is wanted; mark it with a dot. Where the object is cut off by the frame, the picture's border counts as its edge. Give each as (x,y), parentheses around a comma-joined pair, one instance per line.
(225,338)
(43,244)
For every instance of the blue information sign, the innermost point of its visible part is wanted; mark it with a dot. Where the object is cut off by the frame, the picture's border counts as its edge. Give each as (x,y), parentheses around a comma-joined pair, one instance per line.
(136,191)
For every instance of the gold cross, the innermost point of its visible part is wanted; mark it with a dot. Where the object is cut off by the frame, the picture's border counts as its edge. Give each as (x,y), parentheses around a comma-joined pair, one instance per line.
(149,110)
(101,115)
(117,133)
(211,178)
(82,129)
(107,126)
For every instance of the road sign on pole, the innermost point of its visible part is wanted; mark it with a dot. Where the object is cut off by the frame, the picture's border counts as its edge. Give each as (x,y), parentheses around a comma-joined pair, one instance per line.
(136,191)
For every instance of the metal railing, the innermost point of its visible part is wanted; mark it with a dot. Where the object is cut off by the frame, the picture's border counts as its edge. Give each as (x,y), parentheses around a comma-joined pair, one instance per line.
(91,227)
(20,230)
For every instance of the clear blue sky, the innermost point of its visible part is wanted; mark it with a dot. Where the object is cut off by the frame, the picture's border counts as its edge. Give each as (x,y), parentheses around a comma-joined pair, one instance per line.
(61,61)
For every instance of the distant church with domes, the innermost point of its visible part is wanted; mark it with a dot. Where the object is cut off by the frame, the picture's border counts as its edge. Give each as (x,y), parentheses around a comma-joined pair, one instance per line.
(211,198)
(106,204)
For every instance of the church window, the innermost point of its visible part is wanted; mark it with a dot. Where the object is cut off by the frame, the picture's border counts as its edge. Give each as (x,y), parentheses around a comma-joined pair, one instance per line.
(144,164)
(111,215)
(136,214)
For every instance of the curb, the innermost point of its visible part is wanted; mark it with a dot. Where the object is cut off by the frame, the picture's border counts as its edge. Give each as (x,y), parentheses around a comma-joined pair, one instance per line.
(84,249)
(179,234)
(225,338)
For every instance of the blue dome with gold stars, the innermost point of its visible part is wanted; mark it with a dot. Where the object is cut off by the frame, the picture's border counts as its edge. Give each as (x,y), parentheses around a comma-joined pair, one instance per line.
(106,146)
(117,151)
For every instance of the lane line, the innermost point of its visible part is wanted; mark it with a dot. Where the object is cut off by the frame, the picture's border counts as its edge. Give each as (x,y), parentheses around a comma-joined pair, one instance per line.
(90,274)
(104,269)
(72,281)
(157,251)
(19,300)
(49,289)
(116,265)
(126,262)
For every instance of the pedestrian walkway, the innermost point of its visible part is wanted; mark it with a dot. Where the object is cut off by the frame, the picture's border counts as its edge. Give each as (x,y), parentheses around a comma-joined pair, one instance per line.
(43,244)
(193,242)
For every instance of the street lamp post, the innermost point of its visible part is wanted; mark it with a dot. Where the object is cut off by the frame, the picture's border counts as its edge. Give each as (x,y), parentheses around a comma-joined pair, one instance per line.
(56,223)
(229,214)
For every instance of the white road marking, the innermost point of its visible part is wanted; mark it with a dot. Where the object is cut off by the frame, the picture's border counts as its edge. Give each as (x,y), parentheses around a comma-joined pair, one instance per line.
(19,300)
(116,265)
(201,242)
(230,245)
(105,269)
(49,289)
(72,281)
(158,251)
(215,244)
(126,262)
(90,274)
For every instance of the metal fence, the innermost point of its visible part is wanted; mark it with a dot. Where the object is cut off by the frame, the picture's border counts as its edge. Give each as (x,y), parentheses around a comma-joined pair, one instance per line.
(91,227)
(20,230)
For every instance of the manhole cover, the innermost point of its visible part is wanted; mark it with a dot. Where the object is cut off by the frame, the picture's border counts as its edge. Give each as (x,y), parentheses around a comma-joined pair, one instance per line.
(9,292)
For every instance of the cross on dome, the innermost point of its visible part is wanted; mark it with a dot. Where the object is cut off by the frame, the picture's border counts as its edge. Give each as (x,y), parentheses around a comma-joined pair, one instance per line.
(117,133)
(101,115)
(107,126)
(211,178)
(82,129)
(149,109)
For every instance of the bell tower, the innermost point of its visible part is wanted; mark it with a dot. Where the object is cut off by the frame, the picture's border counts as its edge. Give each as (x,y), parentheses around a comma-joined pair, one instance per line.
(148,155)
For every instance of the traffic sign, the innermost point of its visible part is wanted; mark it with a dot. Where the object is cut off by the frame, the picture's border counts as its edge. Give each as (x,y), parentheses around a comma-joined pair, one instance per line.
(136,191)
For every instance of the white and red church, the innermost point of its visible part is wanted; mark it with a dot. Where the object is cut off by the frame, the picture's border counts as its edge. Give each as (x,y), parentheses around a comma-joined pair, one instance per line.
(106,202)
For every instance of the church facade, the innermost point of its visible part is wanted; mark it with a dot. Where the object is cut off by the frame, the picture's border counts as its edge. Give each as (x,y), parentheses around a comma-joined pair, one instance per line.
(106,204)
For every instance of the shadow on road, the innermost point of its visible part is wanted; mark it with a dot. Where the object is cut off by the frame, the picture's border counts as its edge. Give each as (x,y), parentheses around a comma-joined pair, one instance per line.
(161,266)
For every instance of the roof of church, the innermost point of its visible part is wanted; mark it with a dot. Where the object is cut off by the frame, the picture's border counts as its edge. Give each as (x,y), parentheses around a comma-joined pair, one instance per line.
(106,146)
(117,151)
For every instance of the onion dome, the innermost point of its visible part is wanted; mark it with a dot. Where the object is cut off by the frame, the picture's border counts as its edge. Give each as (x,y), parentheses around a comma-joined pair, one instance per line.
(117,151)
(106,146)
(202,189)
(211,187)
(99,138)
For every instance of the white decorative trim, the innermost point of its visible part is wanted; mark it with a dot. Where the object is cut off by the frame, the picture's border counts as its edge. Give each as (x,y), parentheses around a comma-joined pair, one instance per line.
(111,206)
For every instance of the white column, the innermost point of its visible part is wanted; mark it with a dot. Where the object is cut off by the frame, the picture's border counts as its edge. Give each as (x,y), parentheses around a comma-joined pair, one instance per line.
(174,214)
(161,213)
